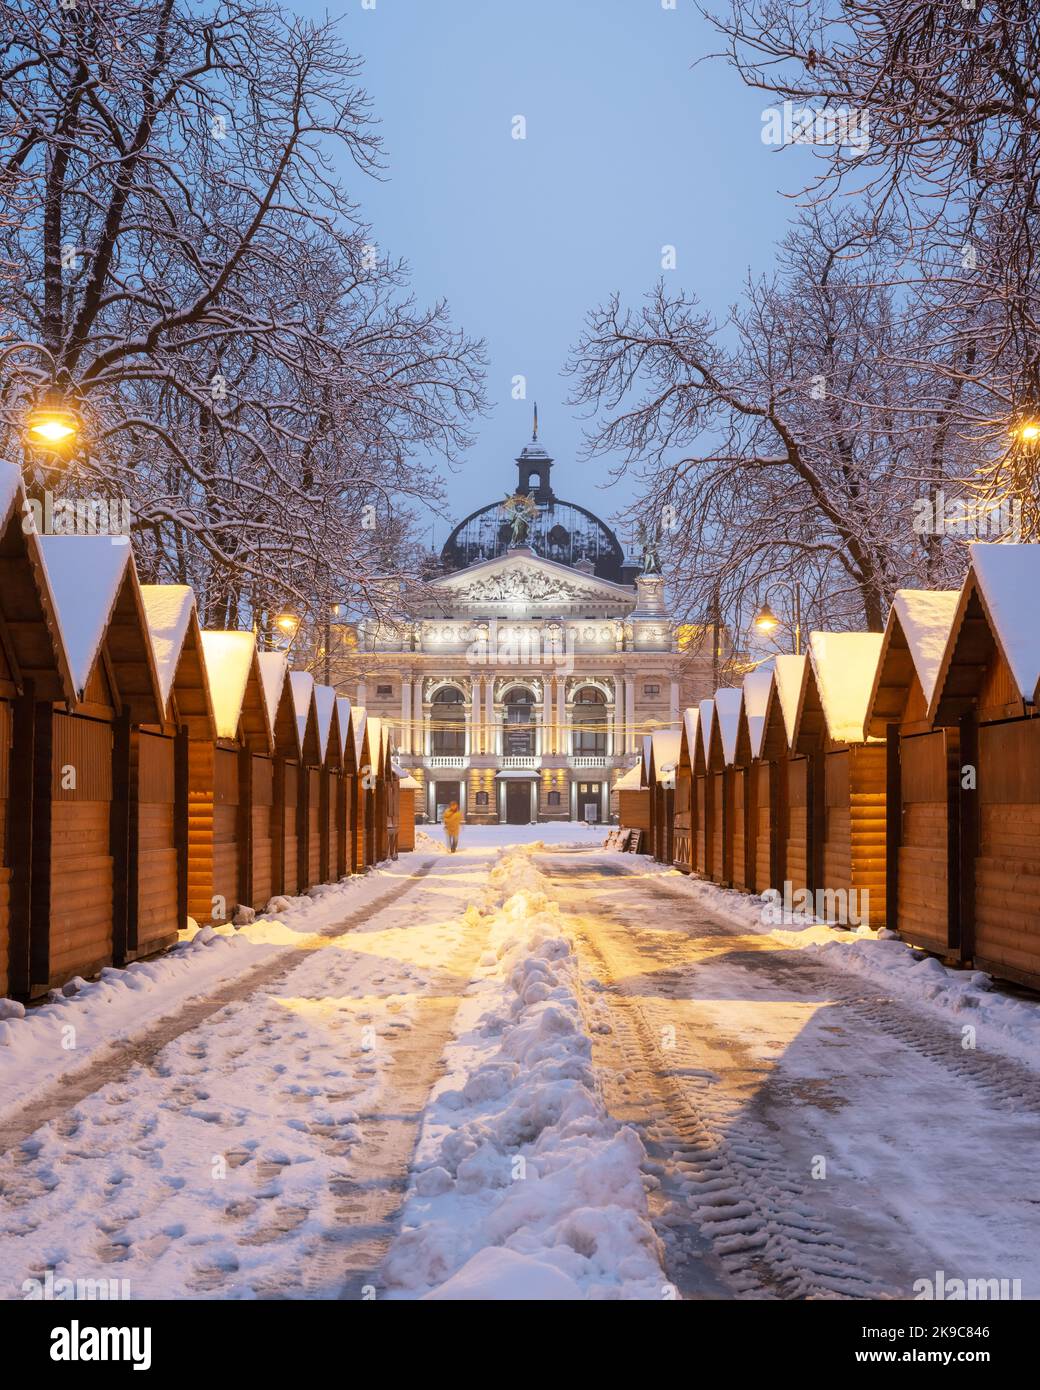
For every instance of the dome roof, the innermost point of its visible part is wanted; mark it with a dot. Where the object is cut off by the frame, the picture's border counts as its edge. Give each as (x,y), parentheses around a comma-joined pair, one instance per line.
(565,532)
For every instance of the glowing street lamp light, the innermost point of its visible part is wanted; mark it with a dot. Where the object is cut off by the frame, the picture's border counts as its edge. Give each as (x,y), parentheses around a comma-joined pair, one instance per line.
(288,624)
(1027,431)
(766,620)
(53,424)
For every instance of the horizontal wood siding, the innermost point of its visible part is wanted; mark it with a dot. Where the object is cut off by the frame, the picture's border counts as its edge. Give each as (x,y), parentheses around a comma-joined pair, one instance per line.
(764,827)
(718,828)
(406,819)
(867,771)
(290,871)
(700,825)
(738,841)
(156,844)
(313,828)
(81,901)
(226,848)
(921,910)
(797,838)
(262,888)
(634,809)
(837,831)
(1007,869)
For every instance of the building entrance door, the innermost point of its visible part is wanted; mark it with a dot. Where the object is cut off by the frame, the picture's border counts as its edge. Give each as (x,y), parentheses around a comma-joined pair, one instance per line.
(518,803)
(445,794)
(589,796)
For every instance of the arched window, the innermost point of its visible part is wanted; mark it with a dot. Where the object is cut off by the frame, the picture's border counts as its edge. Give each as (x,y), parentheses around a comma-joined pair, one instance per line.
(448,721)
(590,722)
(519,722)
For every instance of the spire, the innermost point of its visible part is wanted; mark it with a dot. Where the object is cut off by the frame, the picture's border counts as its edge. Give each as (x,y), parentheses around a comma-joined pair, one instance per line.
(534,436)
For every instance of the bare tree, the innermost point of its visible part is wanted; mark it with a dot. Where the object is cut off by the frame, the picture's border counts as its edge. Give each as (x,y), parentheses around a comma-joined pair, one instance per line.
(789,443)
(947,99)
(192,271)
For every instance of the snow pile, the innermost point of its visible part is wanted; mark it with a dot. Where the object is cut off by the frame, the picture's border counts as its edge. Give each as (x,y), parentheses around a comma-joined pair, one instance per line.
(523,1186)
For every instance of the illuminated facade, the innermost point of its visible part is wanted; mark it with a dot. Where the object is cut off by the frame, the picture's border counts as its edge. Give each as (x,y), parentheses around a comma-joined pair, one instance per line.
(523,683)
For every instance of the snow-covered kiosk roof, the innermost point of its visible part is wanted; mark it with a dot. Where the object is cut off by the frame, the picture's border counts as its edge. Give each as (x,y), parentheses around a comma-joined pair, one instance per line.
(723,745)
(375,742)
(102,623)
(689,740)
(180,661)
(992,659)
(33,649)
(328,726)
(302,685)
(345,724)
(704,727)
(632,780)
(834,700)
(281,709)
(358,720)
(236,688)
(915,638)
(664,755)
(757,689)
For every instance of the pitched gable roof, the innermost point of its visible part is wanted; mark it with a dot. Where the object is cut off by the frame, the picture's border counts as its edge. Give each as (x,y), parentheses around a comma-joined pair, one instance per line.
(180,662)
(915,638)
(98,606)
(844,665)
(236,687)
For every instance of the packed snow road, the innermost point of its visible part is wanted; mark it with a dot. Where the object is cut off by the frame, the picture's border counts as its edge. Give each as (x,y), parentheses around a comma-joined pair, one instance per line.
(528,1070)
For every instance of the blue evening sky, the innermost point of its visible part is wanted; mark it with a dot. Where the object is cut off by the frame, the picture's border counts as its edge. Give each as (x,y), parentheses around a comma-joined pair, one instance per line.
(629,147)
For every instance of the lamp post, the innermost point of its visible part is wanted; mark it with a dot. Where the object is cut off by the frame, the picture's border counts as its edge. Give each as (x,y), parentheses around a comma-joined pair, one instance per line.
(53,424)
(288,624)
(766,621)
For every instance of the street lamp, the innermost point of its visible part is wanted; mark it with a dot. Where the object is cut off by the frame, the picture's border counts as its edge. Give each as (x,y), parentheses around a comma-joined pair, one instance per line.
(766,621)
(53,424)
(1027,430)
(288,624)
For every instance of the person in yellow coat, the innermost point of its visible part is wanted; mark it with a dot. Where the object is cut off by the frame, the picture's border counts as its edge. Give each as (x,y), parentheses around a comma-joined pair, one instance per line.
(452,825)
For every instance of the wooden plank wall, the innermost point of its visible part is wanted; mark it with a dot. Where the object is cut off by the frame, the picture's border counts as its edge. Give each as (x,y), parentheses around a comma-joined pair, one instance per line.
(262,887)
(154,855)
(1007,866)
(406,819)
(796,838)
(763,775)
(634,809)
(290,839)
(718,827)
(682,822)
(867,775)
(80,939)
(921,907)
(313,860)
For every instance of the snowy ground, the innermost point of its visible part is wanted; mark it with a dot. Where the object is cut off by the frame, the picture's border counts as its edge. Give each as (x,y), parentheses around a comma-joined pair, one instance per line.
(531,1069)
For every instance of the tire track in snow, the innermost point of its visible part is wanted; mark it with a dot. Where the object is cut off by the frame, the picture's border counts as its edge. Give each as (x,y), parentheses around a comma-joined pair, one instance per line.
(768,1236)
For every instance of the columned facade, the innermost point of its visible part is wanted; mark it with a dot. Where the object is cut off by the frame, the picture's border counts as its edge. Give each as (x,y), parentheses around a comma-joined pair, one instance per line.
(523,683)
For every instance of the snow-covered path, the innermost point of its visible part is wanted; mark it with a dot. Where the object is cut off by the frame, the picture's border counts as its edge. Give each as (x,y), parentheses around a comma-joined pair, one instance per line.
(525,1070)
(814,1134)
